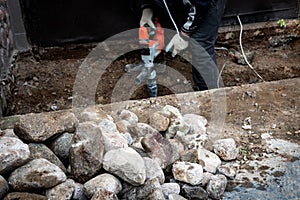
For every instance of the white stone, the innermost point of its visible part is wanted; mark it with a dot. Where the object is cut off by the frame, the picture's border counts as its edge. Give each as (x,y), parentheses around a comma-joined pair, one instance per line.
(112,138)
(208,160)
(127,164)
(105,181)
(129,116)
(13,153)
(187,172)
(225,149)
(171,112)
(170,188)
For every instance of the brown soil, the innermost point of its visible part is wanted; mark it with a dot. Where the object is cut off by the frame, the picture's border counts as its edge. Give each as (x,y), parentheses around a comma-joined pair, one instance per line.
(43,78)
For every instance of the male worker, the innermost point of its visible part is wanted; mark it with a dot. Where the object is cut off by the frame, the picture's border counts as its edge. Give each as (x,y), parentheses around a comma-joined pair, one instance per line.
(198,22)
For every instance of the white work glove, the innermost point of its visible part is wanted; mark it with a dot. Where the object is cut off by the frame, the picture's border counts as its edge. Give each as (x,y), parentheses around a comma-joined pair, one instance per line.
(147,18)
(178,43)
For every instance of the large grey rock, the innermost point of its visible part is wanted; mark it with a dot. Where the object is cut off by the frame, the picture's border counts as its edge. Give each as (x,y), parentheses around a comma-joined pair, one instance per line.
(37,174)
(141,130)
(194,192)
(206,178)
(149,191)
(170,188)
(61,147)
(177,148)
(209,161)
(216,186)
(189,155)
(78,193)
(63,191)
(153,170)
(39,150)
(112,138)
(225,149)
(160,149)
(24,196)
(86,152)
(191,173)
(13,153)
(41,126)
(127,164)
(3,187)
(105,182)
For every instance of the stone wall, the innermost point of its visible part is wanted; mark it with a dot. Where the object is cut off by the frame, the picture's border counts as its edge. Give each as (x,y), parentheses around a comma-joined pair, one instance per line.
(94,156)
(66,146)
(6,47)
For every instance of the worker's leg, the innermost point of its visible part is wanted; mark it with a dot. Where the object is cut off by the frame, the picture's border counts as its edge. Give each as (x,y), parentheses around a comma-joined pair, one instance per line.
(205,72)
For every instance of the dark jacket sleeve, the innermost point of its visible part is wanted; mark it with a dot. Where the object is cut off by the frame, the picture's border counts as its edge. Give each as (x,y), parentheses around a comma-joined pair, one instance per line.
(201,3)
(197,9)
(146,4)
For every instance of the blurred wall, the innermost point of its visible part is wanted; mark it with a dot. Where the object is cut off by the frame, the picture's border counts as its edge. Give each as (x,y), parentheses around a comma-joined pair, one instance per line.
(54,22)
(6,49)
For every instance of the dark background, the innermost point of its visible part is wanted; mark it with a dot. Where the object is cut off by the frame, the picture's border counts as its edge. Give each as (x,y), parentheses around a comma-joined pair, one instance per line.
(56,22)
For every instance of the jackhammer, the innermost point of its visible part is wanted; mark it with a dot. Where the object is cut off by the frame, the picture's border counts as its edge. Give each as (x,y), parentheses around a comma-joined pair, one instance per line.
(151,42)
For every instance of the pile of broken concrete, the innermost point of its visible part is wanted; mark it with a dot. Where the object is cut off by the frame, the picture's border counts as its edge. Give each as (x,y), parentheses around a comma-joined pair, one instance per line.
(94,156)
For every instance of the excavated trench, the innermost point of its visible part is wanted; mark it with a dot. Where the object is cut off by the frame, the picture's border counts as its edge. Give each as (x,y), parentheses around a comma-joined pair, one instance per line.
(43,78)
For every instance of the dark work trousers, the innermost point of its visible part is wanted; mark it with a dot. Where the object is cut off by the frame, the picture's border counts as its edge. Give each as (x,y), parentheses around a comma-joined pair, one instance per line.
(205,71)
(202,42)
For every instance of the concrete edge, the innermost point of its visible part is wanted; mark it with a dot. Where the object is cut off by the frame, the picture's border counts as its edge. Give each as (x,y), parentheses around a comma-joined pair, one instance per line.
(202,96)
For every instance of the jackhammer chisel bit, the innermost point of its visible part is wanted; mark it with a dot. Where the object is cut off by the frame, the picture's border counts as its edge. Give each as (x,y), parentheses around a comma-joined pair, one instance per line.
(150,49)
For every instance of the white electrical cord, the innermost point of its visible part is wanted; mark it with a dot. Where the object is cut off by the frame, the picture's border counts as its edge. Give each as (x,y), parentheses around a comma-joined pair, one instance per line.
(221,48)
(241,46)
(243,53)
(171,17)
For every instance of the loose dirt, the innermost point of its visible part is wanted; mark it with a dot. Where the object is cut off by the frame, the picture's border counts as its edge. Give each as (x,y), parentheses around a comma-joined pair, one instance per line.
(43,78)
